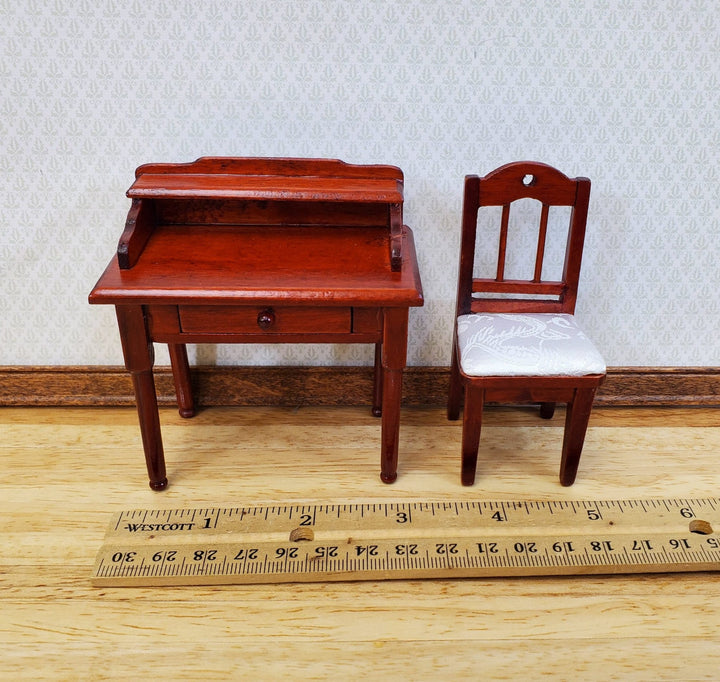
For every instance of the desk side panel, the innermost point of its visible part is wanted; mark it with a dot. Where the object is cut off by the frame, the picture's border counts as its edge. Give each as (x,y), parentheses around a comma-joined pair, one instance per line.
(139,226)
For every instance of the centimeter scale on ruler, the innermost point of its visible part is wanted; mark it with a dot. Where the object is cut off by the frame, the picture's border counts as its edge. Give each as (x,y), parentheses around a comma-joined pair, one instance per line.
(379,541)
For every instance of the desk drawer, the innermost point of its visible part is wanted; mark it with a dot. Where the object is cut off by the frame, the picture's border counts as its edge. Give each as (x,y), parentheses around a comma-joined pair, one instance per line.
(224,319)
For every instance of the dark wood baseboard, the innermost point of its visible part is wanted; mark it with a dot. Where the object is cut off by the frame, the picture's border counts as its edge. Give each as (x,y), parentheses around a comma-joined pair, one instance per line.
(295,386)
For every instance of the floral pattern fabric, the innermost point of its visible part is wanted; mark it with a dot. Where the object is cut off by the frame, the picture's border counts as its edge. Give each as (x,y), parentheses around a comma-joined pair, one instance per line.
(537,344)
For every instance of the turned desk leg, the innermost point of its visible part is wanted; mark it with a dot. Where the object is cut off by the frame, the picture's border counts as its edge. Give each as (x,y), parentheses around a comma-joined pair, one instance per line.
(394,354)
(377,382)
(181,377)
(139,359)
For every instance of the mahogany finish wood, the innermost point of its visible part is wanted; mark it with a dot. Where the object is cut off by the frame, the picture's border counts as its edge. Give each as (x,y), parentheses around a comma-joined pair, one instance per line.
(231,250)
(502,187)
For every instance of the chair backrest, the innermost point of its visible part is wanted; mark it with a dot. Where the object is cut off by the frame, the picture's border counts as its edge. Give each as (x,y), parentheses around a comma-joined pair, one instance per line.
(501,188)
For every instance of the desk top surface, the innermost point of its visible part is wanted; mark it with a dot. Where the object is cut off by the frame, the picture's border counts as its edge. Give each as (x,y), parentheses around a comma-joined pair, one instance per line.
(256,264)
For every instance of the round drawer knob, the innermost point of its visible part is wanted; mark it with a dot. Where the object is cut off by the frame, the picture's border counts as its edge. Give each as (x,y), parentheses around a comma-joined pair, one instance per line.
(266,318)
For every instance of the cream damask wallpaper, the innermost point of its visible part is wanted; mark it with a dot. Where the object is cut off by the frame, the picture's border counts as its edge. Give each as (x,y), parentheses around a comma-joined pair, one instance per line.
(626,92)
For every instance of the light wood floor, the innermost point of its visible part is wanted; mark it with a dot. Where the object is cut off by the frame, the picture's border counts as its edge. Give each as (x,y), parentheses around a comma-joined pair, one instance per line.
(64,471)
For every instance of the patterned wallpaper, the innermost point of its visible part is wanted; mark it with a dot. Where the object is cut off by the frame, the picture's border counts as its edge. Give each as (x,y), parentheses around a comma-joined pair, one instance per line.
(626,92)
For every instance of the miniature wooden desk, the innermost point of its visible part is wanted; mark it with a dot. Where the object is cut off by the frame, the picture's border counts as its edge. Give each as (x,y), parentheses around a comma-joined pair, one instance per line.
(233,250)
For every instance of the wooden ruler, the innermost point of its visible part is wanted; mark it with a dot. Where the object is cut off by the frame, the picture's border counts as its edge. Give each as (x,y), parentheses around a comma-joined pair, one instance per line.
(307,543)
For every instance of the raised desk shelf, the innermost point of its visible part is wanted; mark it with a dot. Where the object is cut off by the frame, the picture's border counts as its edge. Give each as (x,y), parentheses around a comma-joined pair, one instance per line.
(266,188)
(264,191)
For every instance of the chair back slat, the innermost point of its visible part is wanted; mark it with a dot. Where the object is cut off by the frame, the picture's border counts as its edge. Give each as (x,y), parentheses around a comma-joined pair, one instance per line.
(502,248)
(542,236)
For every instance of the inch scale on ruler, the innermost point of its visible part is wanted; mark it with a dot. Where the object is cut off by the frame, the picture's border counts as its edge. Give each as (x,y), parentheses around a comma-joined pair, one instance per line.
(382,541)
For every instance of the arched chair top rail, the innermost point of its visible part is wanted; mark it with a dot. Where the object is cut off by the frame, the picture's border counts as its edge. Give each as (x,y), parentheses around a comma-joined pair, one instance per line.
(527,180)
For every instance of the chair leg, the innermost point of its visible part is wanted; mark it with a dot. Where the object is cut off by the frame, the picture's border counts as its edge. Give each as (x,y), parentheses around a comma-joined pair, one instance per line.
(547,410)
(576,423)
(472,423)
(456,388)
(181,377)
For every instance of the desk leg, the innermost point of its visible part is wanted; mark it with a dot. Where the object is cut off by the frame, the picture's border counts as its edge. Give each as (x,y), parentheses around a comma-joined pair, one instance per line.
(377,382)
(139,359)
(394,357)
(181,377)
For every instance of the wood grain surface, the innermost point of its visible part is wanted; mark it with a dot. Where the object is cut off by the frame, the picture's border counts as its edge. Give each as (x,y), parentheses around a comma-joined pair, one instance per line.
(65,471)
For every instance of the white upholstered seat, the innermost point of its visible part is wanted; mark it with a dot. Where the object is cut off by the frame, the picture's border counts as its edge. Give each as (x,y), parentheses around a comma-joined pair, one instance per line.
(530,344)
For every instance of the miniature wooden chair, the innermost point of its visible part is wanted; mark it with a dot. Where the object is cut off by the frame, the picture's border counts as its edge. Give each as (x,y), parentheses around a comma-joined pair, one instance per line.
(516,339)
